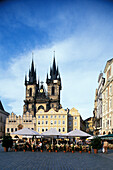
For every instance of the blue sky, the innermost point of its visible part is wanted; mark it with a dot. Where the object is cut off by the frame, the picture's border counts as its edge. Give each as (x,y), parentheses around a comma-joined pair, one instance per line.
(80,32)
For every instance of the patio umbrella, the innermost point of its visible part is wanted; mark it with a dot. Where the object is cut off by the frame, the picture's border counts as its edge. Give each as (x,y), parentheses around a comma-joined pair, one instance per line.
(77,133)
(51,132)
(26,132)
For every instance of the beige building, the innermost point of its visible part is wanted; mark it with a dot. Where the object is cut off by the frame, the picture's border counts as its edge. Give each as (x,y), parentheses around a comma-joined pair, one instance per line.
(3,116)
(14,123)
(107,97)
(75,120)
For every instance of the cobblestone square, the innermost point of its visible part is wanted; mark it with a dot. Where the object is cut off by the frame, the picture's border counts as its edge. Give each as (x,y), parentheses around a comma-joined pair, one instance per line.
(55,161)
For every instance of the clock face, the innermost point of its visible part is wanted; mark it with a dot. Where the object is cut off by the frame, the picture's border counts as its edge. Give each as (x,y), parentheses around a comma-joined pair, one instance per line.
(41,90)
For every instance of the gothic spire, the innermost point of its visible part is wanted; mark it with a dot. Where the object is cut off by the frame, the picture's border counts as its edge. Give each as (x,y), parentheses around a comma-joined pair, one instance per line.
(32,74)
(25,80)
(47,78)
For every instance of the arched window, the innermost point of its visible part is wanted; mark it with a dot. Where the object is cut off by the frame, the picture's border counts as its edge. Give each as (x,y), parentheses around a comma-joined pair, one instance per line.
(41,107)
(30,92)
(53,90)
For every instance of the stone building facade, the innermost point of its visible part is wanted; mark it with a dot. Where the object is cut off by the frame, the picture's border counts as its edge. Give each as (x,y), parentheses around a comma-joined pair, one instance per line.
(107,97)
(89,125)
(14,122)
(3,116)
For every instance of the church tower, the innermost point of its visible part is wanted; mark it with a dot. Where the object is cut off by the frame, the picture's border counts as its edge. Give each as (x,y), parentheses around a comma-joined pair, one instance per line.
(31,89)
(54,86)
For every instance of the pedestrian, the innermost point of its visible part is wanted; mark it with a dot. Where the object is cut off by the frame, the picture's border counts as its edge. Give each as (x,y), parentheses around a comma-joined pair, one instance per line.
(105,146)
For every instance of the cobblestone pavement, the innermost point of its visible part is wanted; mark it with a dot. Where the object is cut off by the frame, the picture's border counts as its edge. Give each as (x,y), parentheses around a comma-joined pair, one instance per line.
(55,161)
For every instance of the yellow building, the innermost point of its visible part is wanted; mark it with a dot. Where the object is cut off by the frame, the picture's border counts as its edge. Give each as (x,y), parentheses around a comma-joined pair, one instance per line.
(51,119)
(89,125)
(63,120)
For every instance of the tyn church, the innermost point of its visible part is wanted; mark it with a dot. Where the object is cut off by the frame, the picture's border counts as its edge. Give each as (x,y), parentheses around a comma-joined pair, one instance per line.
(36,95)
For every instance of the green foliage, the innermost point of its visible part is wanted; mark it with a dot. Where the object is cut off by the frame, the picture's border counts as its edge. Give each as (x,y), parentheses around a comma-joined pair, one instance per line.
(56,148)
(34,147)
(7,141)
(42,147)
(64,148)
(73,148)
(80,149)
(96,143)
(25,147)
(89,147)
(16,147)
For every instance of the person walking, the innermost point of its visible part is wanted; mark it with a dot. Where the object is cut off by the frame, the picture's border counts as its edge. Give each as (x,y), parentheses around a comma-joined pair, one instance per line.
(105,146)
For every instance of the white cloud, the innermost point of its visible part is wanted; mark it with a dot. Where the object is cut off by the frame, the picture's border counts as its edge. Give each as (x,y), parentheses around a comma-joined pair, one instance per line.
(77,59)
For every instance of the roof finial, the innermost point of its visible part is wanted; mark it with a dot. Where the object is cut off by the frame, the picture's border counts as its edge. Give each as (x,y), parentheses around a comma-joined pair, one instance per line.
(32,55)
(54,53)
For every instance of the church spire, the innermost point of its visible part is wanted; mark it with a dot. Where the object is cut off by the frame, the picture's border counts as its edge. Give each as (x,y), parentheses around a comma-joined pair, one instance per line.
(32,74)
(25,80)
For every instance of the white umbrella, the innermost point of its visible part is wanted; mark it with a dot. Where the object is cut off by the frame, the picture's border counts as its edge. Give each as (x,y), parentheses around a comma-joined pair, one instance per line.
(77,133)
(51,132)
(92,137)
(26,132)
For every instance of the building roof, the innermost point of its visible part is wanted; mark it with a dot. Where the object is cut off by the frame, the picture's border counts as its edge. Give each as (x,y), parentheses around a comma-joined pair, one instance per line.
(1,106)
(107,64)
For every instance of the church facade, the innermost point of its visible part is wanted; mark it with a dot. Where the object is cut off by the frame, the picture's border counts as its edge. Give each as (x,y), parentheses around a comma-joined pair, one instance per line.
(42,109)
(36,95)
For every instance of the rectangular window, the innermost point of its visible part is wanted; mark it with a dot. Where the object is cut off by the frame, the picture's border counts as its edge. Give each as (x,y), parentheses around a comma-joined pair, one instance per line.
(59,129)
(11,129)
(59,122)
(63,116)
(51,116)
(15,129)
(38,117)
(69,123)
(55,122)
(38,122)
(46,116)
(63,122)
(59,116)
(51,122)
(42,122)
(7,129)
(46,129)
(55,116)
(70,118)
(46,122)
(38,129)
(42,129)
(75,123)
(75,117)
(42,117)
(63,129)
